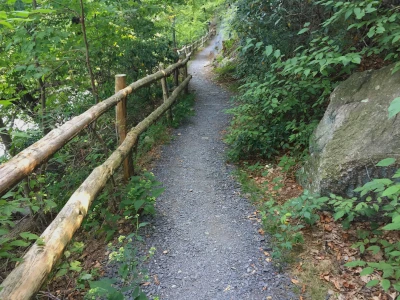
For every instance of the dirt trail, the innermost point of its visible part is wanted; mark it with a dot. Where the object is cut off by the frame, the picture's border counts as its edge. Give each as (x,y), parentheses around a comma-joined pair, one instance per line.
(207,247)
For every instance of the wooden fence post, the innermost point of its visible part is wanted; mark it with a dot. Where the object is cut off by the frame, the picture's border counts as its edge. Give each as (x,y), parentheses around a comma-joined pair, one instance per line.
(185,75)
(165,94)
(176,77)
(120,113)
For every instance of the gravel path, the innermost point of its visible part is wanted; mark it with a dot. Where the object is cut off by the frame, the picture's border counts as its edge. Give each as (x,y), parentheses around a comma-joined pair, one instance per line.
(207,247)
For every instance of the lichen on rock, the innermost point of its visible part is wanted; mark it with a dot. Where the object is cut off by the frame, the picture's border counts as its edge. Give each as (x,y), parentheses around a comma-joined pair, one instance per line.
(354,134)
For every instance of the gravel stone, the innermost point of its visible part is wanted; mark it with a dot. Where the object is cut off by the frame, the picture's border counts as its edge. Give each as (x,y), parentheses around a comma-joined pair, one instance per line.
(201,218)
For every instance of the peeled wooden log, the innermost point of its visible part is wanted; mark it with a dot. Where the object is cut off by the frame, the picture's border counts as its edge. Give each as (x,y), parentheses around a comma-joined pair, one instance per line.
(27,278)
(21,165)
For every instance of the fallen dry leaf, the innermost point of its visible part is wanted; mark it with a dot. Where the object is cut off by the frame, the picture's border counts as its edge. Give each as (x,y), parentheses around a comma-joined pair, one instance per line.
(156,281)
(299,266)
(295,281)
(261,231)
(336,284)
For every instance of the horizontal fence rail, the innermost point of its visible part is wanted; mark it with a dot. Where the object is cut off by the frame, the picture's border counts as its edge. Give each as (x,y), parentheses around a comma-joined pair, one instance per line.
(27,278)
(21,165)
(196,44)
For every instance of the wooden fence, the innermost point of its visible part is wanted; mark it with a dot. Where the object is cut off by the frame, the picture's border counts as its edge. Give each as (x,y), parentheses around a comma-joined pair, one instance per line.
(27,278)
(196,44)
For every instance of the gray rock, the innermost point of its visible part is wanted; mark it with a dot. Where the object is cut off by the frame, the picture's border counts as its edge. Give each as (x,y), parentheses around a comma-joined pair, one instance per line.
(354,134)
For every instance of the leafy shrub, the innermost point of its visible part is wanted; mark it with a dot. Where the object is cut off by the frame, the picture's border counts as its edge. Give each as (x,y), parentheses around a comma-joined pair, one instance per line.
(183,109)
(226,71)
(141,195)
(290,65)
(285,221)
(378,200)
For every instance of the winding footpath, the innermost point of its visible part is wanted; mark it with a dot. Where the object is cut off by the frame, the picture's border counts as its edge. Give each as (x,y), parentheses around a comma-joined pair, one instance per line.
(207,246)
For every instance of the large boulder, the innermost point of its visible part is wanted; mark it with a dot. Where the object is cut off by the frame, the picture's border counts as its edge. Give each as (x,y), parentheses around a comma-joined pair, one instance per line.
(354,134)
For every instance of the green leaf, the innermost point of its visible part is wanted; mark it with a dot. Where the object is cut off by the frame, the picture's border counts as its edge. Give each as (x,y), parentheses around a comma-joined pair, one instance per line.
(371,32)
(86,277)
(374,249)
(61,272)
(392,226)
(356,263)
(394,107)
(259,44)
(19,243)
(29,236)
(104,283)
(396,286)
(391,190)
(367,271)
(303,30)
(386,162)
(138,204)
(20,134)
(2,22)
(356,59)
(6,103)
(359,13)
(397,174)
(75,266)
(268,50)
(339,214)
(385,284)
(277,53)
(372,283)
(395,39)
(348,14)
(22,14)
(396,67)
(143,224)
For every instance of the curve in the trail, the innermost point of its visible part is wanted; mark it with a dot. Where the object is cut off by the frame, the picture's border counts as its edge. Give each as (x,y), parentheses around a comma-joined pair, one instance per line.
(207,247)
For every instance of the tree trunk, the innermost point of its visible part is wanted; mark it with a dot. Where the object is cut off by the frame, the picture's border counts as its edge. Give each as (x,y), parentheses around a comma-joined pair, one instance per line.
(5,137)
(94,91)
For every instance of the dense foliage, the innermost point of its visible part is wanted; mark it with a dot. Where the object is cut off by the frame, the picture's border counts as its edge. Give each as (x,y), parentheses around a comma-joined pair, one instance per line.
(291,56)
(58,58)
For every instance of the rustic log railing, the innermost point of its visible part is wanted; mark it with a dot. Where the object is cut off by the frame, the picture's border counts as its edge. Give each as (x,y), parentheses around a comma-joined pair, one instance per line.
(189,48)
(27,278)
